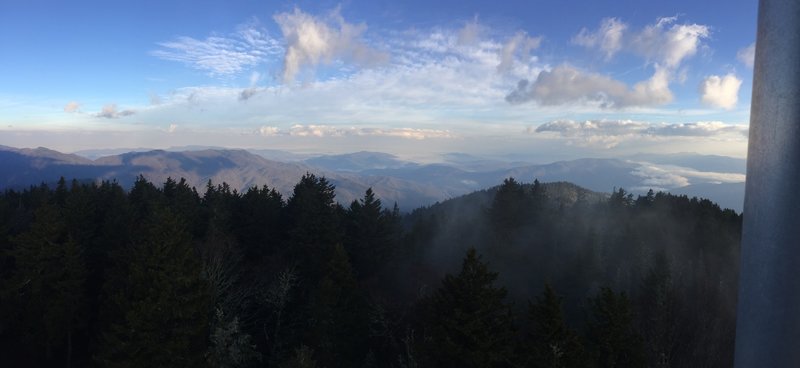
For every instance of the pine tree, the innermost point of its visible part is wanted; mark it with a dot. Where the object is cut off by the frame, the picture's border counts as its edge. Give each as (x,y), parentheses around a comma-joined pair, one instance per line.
(339,312)
(162,307)
(371,234)
(658,312)
(257,222)
(508,207)
(144,198)
(468,322)
(314,227)
(49,284)
(550,343)
(611,333)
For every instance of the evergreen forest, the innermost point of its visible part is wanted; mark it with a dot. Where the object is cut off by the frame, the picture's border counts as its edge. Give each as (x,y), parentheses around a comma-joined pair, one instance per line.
(520,275)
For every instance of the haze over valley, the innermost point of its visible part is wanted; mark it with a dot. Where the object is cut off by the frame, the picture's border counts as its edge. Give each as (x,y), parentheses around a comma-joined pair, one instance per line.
(409,184)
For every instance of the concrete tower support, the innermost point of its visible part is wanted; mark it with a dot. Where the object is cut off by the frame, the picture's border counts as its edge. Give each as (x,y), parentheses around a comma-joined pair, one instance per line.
(768,320)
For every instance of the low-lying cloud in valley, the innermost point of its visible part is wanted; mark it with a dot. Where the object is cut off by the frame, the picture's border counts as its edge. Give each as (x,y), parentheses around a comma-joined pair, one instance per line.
(610,133)
(321,131)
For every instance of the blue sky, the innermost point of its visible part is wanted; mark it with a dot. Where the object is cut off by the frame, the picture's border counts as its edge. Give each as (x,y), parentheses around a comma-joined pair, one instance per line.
(554,79)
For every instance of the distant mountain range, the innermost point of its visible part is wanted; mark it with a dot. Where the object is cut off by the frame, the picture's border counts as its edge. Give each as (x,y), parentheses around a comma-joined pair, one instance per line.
(410,184)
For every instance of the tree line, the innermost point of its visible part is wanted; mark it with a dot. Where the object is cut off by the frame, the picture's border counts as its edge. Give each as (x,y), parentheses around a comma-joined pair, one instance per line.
(522,275)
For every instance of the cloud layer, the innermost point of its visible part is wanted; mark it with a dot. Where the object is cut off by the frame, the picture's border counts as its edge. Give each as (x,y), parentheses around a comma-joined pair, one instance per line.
(610,133)
(299,130)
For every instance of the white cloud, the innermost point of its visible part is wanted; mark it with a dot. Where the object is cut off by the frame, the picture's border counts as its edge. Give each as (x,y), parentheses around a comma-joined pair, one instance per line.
(747,55)
(607,38)
(268,131)
(663,177)
(172,128)
(664,44)
(312,41)
(570,128)
(719,91)
(565,84)
(628,127)
(700,129)
(610,133)
(72,106)
(667,43)
(220,55)
(110,111)
(298,130)
(332,131)
(519,45)
(654,177)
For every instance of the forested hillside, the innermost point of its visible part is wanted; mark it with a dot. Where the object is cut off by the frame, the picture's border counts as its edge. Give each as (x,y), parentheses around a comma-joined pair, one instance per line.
(533,275)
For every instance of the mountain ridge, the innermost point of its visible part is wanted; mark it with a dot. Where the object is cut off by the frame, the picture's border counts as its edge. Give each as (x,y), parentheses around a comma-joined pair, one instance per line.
(410,184)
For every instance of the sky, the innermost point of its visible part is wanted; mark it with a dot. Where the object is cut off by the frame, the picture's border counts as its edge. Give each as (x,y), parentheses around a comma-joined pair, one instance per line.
(535,80)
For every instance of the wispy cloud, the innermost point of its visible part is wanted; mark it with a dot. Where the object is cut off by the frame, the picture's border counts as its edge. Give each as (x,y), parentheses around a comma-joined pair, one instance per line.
(72,106)
(220,55)
(311,41)
(471,32)
(431,80)
(518,47)
(111,111)
(747,55)
(251,91)
(607,38)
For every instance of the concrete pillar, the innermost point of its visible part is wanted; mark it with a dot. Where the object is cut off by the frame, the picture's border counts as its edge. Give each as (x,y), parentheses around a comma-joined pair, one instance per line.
(768,315)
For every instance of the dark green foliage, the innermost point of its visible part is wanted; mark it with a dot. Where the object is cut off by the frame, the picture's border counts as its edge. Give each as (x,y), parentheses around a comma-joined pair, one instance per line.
(611,332)
(509,206)
(659,315)
(371,237)
(339,314)
(162,304)
(48,290)
(550,343)
(314,227)
(161,276)
(470,324)
(257,222)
